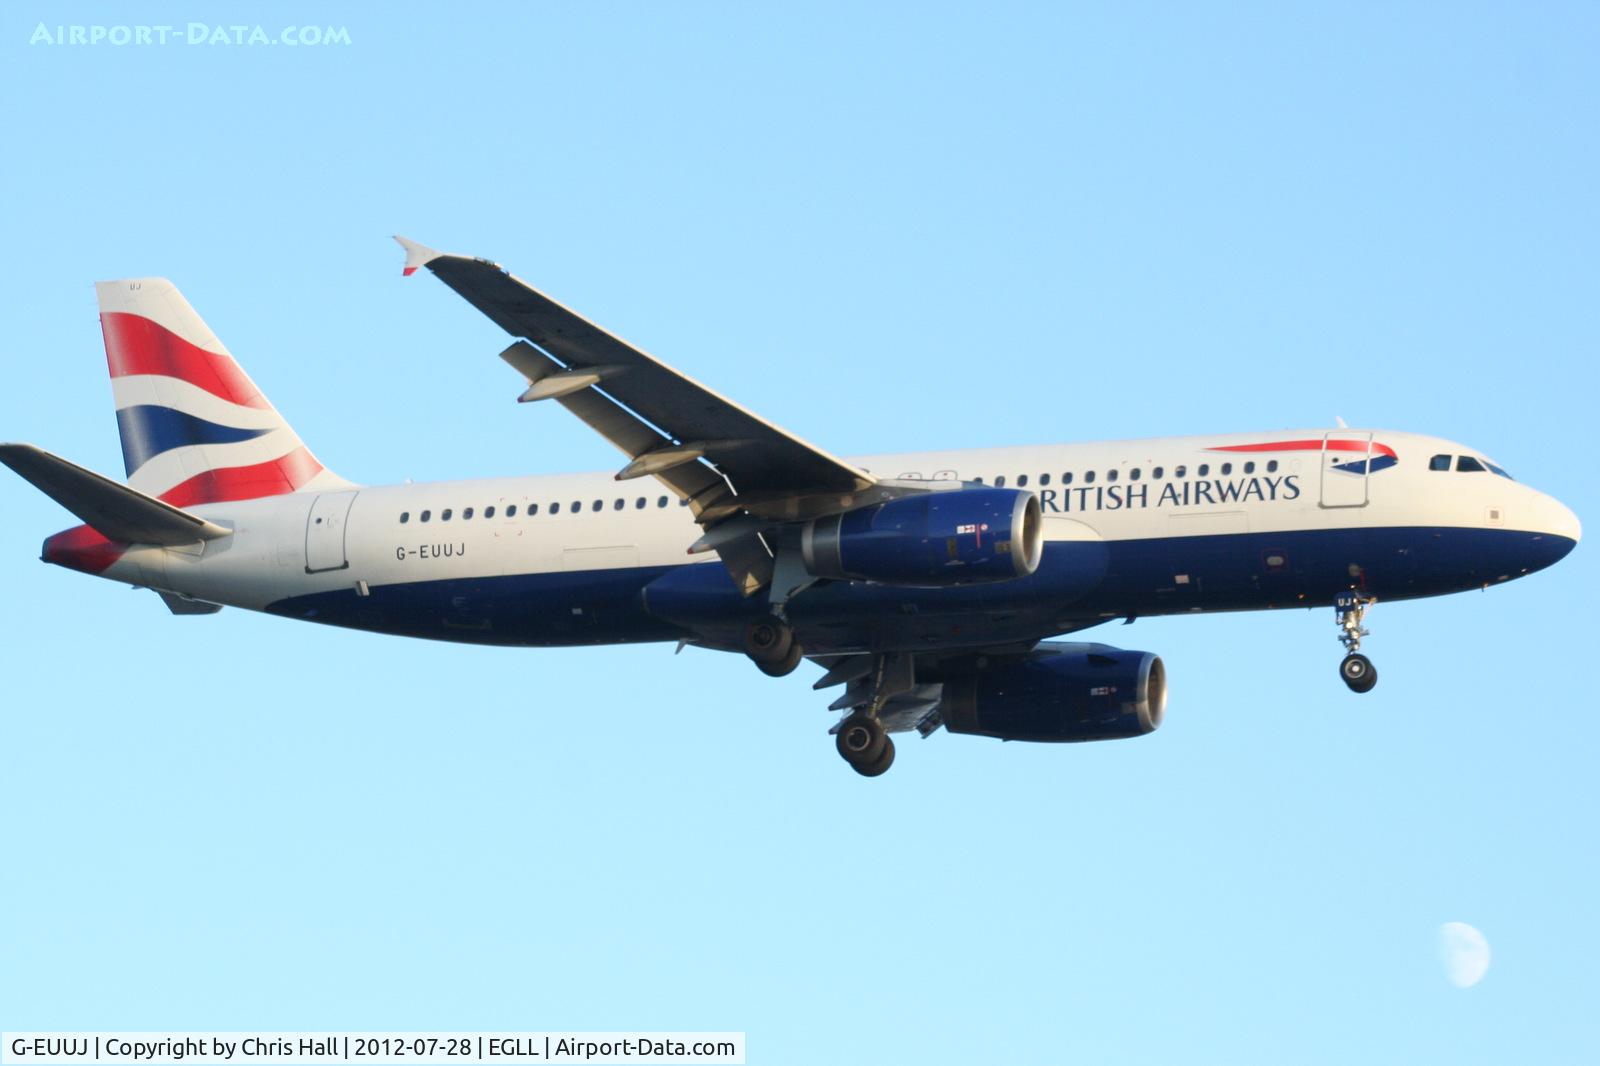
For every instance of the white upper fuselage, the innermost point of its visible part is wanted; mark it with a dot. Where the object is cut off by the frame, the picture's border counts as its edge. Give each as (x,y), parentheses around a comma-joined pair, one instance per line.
(1110,491)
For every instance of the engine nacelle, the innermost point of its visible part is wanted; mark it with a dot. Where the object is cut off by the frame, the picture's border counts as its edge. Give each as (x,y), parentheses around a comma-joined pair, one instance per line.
(930,540)
(1064,692)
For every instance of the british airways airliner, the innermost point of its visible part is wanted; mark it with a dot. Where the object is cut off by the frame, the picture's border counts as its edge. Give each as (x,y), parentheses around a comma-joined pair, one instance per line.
(930,586)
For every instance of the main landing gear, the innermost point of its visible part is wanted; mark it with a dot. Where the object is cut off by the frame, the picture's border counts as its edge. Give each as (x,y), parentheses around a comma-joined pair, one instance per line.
(1350,611)
(770,643)
(877,685)
(865,744)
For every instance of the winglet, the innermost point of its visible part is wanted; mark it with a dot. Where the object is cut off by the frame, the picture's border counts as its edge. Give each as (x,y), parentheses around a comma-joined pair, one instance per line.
(417,255)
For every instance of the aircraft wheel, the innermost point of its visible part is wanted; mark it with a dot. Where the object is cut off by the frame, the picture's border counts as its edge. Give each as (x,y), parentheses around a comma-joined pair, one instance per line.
(783,666)
(768,640)
(878,765)
(861,741)
(1358,672)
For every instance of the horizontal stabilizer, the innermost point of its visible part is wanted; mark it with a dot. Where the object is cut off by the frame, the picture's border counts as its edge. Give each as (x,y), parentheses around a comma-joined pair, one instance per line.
(110,507)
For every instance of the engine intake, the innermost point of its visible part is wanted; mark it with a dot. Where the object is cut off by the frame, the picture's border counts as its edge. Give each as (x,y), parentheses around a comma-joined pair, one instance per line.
(1063,693)
(931,540)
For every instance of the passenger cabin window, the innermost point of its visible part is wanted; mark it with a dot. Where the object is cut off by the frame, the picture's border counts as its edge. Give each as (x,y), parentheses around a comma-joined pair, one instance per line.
(1066,479)
(466,514)
(1111,475)
(555,508)
(1249,468)
(1134,474)
(1022,481)
(1205,468)
(639,504)
(424,516)
(1439,462)
(533,509)
(511,510)
(1158,473)
(405,516)
(1466,464)
(1180,471)
(444,515)
(1000,482)
(1227,468)
(1044,479)
(618,505)
(662,502)
(577,506)
(1088,477)
(1272,465)
(488,512)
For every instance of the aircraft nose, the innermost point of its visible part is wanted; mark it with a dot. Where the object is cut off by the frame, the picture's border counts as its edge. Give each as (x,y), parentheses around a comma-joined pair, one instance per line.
(1561,522)
(1558,526)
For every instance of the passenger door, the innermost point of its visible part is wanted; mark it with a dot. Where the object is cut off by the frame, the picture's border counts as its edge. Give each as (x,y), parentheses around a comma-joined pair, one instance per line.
(325,532)
(1346,457)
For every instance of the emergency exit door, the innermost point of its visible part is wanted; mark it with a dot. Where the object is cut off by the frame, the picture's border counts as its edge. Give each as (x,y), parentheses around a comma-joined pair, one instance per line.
(325,530)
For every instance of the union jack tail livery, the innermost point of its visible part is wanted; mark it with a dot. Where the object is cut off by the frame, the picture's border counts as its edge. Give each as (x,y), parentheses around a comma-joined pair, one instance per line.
(194,427)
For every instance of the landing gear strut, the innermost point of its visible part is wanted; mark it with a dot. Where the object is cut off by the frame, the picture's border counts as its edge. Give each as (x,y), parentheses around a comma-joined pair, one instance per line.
(771,646)
(1350,611)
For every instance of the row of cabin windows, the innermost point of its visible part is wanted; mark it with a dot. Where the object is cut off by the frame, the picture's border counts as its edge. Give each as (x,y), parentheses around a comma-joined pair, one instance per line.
(1135,474)
(1044,481)
(532,509)
(1466,464)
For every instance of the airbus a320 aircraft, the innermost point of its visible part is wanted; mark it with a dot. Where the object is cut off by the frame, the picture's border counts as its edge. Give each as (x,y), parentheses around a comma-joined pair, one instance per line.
(927,585)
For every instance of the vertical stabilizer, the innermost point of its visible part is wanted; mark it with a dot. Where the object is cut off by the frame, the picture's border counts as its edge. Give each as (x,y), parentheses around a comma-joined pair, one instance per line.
(194,427)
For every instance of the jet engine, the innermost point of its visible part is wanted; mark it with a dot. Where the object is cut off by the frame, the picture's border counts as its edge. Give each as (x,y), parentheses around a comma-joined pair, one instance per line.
(1062,692)
(930,540)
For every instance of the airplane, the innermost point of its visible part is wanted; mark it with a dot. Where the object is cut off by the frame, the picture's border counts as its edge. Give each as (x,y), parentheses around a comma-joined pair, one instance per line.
(932,588)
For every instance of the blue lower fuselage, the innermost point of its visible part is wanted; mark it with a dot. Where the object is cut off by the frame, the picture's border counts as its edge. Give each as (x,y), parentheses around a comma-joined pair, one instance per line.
(1078,584)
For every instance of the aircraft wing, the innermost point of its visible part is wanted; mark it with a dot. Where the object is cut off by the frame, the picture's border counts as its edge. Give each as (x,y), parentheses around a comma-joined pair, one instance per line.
(902,703)
(721,457)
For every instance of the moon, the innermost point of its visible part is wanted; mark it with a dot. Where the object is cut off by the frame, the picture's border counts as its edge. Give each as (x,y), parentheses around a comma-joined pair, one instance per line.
(1464,953)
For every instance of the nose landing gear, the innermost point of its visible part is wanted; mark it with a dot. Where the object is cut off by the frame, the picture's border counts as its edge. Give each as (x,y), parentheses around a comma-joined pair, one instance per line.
(1350,611)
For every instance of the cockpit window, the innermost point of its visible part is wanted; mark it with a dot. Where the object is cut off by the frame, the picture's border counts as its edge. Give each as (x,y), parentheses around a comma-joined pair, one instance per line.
(1498,470)
(1439,462)
(1466,464)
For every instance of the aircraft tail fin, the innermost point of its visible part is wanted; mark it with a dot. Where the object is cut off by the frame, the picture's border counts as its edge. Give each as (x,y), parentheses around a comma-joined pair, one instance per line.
(194,427)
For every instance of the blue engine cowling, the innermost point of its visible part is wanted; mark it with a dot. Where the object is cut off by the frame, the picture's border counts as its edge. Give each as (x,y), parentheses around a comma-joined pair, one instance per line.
(1062,692)
(931,540)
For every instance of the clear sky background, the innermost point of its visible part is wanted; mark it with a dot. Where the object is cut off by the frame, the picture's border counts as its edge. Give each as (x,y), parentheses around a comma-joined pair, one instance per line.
(911,226)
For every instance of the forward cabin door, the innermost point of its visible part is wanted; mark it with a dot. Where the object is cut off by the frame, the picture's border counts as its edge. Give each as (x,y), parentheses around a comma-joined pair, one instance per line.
(1346,458)
(325,529)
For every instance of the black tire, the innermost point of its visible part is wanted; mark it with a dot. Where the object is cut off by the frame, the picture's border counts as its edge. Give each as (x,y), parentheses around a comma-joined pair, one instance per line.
(880,764)
(784,666)
(861,740)
(768,639)
(1358,672)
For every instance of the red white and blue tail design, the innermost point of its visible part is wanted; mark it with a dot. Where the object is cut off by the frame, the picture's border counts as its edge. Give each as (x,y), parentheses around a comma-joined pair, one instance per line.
(195,429)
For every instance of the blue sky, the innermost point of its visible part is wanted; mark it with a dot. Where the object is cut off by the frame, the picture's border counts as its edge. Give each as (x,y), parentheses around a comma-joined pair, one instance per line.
(906,227)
